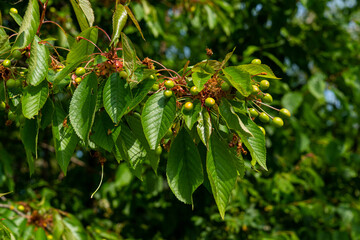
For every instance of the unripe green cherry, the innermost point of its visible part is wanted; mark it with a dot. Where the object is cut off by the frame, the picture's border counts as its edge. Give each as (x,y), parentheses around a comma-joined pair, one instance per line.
(16,54)
(225,86)
(264,117)
(169,84)
(255,89)
(13,11)
(253,112)
(209,102)
(168,93)
(2,106)
(123,74)
(285,113)
(80,71)
(78,80)
(262,129)
(18,83)
(277,122)
(152,76)
(264,84)
(11,116)
(194,90)
(11,83)
(158,150)
(6,63)
(155,87)
(267,98)
(188,106)
(256,61)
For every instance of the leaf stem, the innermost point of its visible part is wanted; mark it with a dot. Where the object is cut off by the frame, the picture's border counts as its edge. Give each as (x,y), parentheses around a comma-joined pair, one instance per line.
(102,176)
(79,37)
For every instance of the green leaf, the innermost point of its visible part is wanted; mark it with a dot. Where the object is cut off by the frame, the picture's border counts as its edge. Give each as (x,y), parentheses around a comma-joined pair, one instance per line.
(200,78)
(116,97)
(104,133)
(191,117)
(204,127)
(18,19)
(184,168)
(80,15)
(6,233)
(4,38)
(119,20)
(29,26)
(227,58)
(40,234)
(83,47)
(221,170)
(47,114)
(292,101)
(256,143)
(73,229)
(157,117)
(136,153)
(38,62)
(82,107)
(4,194)
(129,54)
(65,138)
(255,69)
(34,99)
(140,92)
(85,6)
(239,79)
(232,120)
(136,127)
(29,136)
(134,21)
(317,85)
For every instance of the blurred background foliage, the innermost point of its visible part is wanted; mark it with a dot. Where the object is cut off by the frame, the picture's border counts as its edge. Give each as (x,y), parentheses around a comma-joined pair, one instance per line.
(311,190)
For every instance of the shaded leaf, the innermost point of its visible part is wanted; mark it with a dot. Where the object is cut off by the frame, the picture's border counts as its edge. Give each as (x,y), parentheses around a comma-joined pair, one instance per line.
(232,120)
(239,79)
(82,107)
(104,133)
(256,143)
(157,117)
(221,169)
(134,21)
(129,54)
(200,79)
(116,97)
(184,168)
(136,127)
(65,138)
(204,127)
(81,48)
(29,136)
(34,99)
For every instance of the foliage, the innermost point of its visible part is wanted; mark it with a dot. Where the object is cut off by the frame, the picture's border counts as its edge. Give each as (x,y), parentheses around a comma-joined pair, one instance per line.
(310,190)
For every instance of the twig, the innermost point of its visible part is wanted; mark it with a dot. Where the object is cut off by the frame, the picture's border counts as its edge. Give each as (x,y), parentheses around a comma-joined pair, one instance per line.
(13,209)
